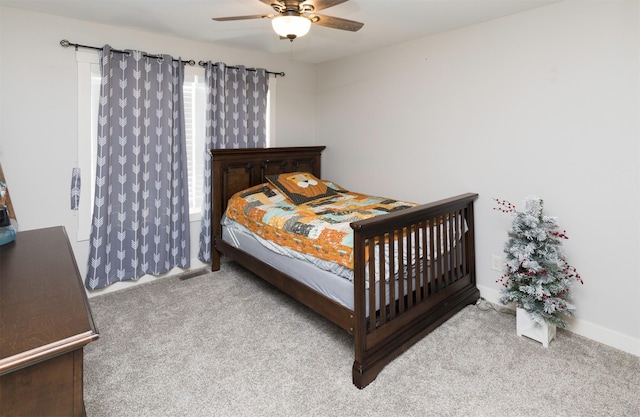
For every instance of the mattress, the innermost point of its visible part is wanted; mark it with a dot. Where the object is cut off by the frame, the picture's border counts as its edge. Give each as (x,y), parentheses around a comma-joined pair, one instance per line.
(326,282)
(315,273)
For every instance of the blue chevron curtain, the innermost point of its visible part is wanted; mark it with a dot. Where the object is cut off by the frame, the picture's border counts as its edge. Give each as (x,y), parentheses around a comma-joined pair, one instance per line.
(236,117)
(140,221)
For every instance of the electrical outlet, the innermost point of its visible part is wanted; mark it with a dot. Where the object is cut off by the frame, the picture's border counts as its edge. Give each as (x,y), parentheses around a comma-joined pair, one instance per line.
(496,263)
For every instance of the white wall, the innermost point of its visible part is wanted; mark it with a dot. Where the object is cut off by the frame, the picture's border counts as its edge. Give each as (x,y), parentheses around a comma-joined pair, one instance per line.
(543,103)
(38,122)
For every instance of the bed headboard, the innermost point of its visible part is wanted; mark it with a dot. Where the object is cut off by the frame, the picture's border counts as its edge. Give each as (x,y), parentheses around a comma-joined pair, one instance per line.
(234,170)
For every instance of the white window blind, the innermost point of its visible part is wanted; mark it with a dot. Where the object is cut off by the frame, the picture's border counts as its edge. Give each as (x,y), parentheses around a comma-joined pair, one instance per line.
(194,116)
(88,91)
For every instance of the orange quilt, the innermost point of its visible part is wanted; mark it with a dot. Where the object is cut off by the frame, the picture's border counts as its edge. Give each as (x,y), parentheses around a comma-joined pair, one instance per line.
(320,229)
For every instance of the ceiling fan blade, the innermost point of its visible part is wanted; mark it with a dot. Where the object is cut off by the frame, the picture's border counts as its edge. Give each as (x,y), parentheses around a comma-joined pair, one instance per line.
(335,22)
(253,16)
(324,4)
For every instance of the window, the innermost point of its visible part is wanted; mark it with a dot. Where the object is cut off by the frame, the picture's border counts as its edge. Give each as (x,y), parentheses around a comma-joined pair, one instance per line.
(194,89)
(88,88)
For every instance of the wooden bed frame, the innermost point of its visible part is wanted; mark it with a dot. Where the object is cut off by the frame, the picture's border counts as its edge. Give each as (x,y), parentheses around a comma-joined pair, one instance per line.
(417,300)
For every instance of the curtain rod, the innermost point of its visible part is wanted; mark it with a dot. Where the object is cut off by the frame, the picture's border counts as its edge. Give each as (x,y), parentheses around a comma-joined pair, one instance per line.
(65,43)
(202,64)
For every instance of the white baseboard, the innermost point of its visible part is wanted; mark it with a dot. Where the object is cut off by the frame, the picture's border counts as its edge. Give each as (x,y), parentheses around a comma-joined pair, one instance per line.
(583,328)
(195,264)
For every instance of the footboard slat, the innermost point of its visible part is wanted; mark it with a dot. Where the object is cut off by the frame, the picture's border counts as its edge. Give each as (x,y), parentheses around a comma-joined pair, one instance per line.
(409,276)
(452,246)
(417,261)
(385,276)
(441,275)
(401,266)
(433,248)
(392,278)
(424,263)
(432,265)
(372,283)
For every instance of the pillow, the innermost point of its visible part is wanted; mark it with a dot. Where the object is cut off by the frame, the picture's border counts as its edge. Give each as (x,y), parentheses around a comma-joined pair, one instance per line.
(335,186)
(301,187)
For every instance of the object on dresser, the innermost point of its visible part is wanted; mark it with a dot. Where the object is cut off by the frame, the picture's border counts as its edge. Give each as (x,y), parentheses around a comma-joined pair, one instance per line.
(7,229)
(8,222)
(5,198)
(4,217)
(3,193)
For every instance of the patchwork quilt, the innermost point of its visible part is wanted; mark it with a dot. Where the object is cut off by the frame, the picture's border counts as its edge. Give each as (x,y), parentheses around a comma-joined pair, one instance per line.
(318,228)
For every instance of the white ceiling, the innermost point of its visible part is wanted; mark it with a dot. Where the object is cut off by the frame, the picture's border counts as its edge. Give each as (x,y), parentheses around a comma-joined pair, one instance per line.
(386,22)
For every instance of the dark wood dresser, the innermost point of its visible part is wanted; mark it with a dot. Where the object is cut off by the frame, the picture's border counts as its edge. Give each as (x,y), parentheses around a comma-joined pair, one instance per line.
(45,322)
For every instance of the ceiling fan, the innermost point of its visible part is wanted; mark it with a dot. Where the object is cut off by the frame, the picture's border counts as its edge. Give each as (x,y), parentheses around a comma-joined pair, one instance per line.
(293,18)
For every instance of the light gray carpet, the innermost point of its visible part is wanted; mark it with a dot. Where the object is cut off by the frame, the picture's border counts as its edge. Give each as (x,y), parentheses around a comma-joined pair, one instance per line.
(228,344)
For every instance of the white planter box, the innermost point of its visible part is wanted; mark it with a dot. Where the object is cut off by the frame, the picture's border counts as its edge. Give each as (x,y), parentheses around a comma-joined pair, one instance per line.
(525,326)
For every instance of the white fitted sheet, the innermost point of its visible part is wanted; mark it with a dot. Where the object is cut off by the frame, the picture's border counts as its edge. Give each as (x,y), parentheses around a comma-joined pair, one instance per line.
(332,286)
(328,278)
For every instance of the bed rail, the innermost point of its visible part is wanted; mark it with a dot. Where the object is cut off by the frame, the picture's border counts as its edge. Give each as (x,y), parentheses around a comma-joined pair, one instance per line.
(415,263)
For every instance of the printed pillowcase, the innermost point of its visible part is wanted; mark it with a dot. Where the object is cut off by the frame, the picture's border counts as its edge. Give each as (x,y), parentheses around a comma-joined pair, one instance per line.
(301,187)
(335,186)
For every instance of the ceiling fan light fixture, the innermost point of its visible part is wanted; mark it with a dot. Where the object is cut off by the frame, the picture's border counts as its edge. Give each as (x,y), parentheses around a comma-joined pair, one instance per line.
(291,26)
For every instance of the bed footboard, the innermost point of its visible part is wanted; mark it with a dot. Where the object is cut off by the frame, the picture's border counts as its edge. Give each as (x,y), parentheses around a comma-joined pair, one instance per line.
(420,264)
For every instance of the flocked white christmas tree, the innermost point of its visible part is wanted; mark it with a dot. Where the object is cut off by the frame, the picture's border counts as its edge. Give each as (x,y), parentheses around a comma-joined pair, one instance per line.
(537,277)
